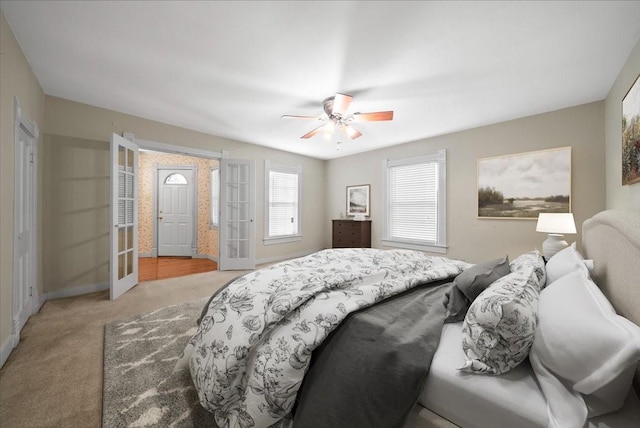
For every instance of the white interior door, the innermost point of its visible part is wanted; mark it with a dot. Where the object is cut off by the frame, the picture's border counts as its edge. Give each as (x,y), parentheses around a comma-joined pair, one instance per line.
(24,267)
(124,216)
(175,212)
(237,233)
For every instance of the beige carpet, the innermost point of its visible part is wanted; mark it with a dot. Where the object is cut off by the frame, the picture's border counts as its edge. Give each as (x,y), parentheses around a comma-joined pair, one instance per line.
(54,377)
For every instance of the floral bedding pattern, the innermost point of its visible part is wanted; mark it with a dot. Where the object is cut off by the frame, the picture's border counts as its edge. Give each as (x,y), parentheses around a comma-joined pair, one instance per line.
(499,328)
(254,344)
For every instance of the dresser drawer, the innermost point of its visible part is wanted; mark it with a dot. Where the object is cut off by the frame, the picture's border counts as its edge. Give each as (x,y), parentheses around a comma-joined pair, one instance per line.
(351,234)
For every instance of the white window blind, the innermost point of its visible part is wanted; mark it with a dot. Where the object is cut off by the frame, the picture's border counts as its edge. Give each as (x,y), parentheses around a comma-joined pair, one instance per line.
(215,197)
(283,201)
(415,195)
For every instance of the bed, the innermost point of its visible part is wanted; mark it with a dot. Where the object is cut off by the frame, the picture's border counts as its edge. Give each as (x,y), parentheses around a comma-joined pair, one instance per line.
(612,240)
(373,358)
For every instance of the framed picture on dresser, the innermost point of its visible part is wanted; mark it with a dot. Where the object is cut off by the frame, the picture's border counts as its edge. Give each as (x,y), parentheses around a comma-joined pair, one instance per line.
(358,199)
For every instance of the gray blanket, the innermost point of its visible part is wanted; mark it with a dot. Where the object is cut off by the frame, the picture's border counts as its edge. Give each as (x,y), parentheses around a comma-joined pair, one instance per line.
(370,371)
(258,336)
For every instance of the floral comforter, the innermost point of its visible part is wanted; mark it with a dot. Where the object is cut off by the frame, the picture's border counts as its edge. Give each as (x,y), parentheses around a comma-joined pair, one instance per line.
(254,344)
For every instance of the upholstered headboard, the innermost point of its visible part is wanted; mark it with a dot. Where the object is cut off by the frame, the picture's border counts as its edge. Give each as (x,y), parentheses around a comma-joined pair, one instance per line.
(612,240)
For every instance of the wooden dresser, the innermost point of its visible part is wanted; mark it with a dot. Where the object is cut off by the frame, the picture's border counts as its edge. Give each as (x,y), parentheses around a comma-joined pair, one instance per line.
(351,234)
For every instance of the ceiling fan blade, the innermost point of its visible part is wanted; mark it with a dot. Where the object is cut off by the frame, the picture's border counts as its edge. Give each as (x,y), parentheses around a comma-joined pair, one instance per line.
(313,132)
(351,132)
(373,117)
(341,103)
(289,116)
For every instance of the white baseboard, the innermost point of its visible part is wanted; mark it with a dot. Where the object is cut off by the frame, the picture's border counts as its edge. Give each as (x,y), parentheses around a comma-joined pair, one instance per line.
(5,350)
(37,303)
(77,291)
(287,257)
(205,256)
(12,341)
(144,255)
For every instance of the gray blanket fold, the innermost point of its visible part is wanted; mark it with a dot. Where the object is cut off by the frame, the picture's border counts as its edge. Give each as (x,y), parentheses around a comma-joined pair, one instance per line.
(370,371)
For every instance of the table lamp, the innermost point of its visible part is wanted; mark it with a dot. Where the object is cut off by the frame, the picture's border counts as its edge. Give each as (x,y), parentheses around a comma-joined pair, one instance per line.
(555,225)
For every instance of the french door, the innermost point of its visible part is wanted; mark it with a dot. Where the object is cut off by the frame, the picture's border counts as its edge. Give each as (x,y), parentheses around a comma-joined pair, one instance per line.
(237,229)
(123,273)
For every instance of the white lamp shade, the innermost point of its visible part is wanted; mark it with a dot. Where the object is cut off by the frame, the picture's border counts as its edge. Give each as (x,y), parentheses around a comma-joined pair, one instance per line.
(556,223)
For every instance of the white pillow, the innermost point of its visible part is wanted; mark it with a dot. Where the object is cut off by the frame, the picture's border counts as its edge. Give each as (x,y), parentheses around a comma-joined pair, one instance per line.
(566,261)
(583,353)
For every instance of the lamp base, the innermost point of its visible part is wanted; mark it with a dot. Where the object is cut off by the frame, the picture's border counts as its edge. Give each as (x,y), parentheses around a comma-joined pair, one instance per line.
(553,244)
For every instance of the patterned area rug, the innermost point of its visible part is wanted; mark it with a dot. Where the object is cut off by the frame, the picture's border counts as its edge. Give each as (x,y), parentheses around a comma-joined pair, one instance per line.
(140,388)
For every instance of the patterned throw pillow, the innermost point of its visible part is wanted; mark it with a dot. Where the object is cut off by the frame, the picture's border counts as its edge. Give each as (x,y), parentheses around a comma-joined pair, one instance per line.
(531,259)
(498,330)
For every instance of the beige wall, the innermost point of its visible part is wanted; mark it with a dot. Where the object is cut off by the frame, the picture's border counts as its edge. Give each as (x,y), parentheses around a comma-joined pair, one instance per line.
(69,124)
(207,237)
(469,238)
(76,212)
(619,196)
(16,80)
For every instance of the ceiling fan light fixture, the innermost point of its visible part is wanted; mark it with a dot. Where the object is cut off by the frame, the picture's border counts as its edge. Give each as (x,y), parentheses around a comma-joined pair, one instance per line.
(337,117)
(328,129)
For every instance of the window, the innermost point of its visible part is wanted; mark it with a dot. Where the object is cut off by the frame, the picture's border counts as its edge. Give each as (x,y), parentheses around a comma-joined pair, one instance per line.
(215,197)
(415,197)
(282,204)
(176,178)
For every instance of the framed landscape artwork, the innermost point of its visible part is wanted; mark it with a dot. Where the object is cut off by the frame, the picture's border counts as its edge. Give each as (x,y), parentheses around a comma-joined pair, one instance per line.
(358,199)
(631,135)
(521,186)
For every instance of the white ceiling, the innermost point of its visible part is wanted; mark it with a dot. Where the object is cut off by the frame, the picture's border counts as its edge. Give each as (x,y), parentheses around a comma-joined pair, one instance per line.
(233,68)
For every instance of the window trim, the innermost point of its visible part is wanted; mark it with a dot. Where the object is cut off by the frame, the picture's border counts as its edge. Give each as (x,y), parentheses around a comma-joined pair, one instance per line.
(272,240)
(440,246)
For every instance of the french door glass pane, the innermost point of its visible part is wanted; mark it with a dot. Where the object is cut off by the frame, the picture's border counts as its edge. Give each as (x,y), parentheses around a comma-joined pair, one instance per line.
(232,230)
(129,186)
(121,239)
(121,157)
(121,266)
(243,249)
(243,211)
(129,262)
(243,192)
(130,238)
(232,249)
(121,212)
(129,160)
(243,230)
(244,174)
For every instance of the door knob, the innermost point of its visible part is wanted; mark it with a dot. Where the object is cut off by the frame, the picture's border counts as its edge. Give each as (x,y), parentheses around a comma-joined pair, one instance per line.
(159,218)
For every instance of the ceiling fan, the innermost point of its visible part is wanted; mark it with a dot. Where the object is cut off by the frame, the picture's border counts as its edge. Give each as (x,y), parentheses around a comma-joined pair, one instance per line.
(336,117)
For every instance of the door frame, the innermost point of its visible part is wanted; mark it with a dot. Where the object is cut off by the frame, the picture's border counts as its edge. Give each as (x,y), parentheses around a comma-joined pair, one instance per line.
(22,121)
(181,150)
(155,199)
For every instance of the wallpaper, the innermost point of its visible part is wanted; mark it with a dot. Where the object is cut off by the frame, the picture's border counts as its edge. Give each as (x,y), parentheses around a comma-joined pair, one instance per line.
(207,238)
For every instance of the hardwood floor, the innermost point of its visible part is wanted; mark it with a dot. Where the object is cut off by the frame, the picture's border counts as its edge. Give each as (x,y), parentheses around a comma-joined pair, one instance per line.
(150,268)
